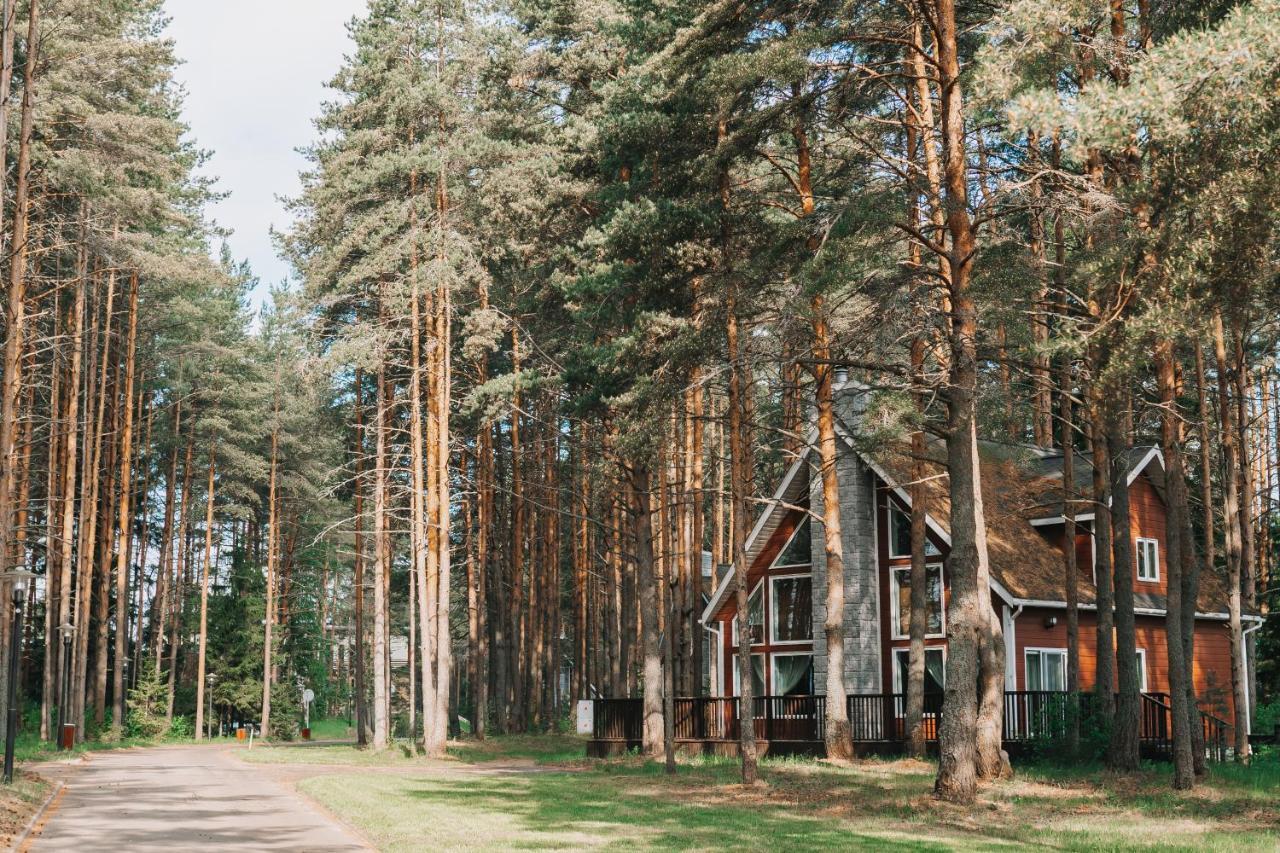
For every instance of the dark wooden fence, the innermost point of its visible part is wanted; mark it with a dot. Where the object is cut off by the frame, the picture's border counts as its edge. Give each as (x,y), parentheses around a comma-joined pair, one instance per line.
(880,718)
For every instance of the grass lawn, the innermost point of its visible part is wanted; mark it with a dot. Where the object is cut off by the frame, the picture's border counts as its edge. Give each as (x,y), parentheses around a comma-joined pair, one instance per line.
(30,747)
(18,802)
(569,802)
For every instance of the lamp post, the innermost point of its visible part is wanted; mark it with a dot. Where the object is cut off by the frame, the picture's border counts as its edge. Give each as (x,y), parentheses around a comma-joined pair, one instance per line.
(208,724)
(18,579)
(66,726)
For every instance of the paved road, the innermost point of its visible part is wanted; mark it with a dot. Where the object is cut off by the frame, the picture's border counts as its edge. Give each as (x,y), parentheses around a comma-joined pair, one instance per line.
(181,798)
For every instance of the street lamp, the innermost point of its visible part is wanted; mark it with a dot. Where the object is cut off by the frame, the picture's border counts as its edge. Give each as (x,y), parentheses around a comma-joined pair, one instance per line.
(18,578)
(208,724)
(66,725)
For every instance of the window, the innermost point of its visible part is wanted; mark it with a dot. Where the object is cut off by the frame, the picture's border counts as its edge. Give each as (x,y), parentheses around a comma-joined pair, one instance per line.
(757,676)
(792,600)
(900,535)
(755,617)
(1046,669)
(935,671)
(900,600)
(792,674)
(799,549)
(1148,560)
(1142,670)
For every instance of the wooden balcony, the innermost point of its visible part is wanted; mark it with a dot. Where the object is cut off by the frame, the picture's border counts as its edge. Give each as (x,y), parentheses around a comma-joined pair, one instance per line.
(796,725)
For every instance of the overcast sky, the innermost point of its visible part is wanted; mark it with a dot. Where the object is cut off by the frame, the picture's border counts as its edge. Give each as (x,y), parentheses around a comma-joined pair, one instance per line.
(254,71)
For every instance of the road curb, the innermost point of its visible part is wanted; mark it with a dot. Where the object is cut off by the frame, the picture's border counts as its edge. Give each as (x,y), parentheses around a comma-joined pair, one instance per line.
(20,841)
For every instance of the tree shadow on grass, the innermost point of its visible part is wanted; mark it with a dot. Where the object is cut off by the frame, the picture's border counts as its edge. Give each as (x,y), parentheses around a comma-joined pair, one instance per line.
(554,806)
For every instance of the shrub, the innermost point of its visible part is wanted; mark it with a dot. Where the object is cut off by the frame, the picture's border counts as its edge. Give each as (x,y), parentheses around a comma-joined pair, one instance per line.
(286,712)
(147,705)
(182,728)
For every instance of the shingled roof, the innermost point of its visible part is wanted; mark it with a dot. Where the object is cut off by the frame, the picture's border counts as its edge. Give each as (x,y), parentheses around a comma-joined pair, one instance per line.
(1020,485)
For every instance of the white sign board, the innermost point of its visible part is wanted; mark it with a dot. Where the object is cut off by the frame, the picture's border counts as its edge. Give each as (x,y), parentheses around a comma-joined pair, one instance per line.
(584,716)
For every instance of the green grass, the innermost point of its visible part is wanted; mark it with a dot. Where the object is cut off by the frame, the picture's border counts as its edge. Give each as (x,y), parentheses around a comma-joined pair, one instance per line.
(541,749)
(335,729)
(882,805)
(400,754)
(30,747)
(19,801)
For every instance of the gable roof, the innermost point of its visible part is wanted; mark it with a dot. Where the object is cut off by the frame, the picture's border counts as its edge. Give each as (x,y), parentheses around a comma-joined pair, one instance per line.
(1021,486)
(792,491)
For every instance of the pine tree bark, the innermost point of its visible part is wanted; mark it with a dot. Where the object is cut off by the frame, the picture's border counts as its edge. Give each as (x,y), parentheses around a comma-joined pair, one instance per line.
(1177,539)
(124,517)
(269,617)
(647,587)
(204,595)
(90,492)
(358,641)
(839,735)
(738,487)
(1122,752)
(1233,538)
(970,734)
(381,561)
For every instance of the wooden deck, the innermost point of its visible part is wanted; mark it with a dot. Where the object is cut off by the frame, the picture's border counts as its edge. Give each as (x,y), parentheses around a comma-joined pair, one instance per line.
(796,725)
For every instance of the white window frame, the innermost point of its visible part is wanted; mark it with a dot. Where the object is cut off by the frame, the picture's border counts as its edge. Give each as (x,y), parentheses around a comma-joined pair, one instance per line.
(1140,544)
(773,669)
(790,539)
(895,592)
(900,677)
(930,550)
(1142,670)
(773,614)
(1041,650)
(764,603)
(737,675)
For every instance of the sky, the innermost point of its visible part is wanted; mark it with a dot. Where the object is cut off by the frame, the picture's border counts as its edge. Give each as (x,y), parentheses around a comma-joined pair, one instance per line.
(254,73)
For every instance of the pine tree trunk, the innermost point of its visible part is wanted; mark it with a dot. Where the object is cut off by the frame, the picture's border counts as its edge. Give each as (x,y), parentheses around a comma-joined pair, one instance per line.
(1177,539)
(1233,538)
(839,735)
(90,492)
(738,387)
(124,518)
(161,604)
(919,604)
(969,737)
(1122,752)
(358,641)
(381,561)
(71,421)
(273,519)
(1070,568)
(204,595)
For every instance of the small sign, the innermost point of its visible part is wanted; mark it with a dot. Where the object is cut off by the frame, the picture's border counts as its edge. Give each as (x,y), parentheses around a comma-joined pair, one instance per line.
(584,716)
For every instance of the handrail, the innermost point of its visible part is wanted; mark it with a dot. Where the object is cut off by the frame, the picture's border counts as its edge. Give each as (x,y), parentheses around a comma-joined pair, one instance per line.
(1029,715)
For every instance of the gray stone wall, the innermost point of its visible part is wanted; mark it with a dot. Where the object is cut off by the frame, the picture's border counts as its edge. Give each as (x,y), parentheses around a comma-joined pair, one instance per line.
(862,645)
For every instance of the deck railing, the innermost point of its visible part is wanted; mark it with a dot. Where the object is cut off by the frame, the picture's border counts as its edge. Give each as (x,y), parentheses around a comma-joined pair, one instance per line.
(1029,716)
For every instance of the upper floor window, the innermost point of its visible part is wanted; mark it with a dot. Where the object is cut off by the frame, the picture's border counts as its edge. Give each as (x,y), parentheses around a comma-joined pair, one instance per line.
(1148,560)
(792,609)
(797,552)
(900,535)
(900,600)
(755,617)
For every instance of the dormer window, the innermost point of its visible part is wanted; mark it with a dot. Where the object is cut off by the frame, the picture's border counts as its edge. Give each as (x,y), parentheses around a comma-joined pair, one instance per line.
(900,535)
(1148,560)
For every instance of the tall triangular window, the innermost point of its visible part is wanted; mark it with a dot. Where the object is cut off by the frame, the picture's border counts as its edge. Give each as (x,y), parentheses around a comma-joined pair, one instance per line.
(798,551)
